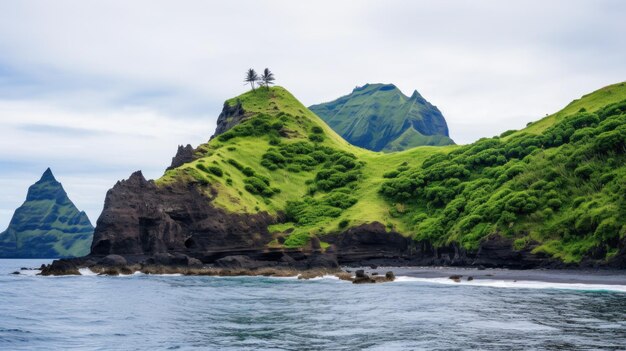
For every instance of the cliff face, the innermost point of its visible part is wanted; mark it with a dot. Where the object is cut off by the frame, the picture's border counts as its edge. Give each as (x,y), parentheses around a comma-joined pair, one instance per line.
(47,224)
(140,218)
(229,117)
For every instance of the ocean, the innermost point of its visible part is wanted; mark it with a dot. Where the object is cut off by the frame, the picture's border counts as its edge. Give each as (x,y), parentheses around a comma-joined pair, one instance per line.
(141,312)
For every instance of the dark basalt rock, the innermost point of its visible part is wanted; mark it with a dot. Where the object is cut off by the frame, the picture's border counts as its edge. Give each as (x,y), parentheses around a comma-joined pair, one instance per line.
(230,117)
(61,267)
(112,261)
(140,218)
(369,242)
(390,276)
(184,154)
(239,262)
(361,277)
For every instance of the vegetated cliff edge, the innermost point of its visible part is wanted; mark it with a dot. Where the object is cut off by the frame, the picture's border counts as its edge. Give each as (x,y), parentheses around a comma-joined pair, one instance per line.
(281,188)
(47,224)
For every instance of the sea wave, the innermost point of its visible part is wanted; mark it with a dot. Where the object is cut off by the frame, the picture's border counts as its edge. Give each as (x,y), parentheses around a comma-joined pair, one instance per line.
(515,284)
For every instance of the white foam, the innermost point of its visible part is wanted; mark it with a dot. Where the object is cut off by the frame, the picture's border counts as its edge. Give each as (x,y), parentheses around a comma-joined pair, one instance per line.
(519,284)
(30,272)
(86,271)
(326,276)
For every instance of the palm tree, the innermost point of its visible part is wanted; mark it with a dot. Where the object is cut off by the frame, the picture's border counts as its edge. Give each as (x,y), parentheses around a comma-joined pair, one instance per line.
(251,77)
(267,78)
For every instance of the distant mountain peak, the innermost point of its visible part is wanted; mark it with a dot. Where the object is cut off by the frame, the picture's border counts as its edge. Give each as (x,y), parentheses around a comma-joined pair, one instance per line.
(47,176)
(47,224)
(379,117)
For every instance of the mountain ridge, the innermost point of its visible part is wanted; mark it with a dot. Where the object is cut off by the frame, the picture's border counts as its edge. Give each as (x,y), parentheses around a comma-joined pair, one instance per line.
(47,224)
(374,116)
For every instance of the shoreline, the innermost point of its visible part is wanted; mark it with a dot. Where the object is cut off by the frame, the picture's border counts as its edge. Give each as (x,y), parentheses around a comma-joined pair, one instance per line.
(455,274)
(560,276)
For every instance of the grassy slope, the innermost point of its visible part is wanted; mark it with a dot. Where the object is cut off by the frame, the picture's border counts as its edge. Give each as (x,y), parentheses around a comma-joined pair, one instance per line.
(355,117)
(248,151)
(558,184)
(48,226)
(419,216)
(591,102)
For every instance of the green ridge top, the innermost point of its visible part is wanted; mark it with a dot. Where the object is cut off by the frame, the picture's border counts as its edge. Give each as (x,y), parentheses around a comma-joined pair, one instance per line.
(380,117)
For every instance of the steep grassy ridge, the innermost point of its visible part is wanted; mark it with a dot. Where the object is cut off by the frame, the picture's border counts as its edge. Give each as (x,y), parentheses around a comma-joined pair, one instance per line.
(560,192)
(380,117)
(47,225)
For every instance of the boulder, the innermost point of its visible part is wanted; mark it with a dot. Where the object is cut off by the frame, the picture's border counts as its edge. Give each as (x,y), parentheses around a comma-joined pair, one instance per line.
(456,277)
(60,267)
(112,261)
(390,276)
(362,278)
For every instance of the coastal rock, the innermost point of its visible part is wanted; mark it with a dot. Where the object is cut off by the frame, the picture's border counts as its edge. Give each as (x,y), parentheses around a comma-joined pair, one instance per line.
(184,154)
(360,277)
(61,267)
(112,261)
(369,242)
(238,262)
(390,276)
(140,218)
(322,261)
(456,278)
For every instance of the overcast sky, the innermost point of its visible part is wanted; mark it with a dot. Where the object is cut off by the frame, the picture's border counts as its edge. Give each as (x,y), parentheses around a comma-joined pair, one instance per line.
(97,90)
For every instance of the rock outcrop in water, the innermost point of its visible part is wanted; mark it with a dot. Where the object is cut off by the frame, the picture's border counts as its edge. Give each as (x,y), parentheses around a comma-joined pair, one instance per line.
(47,224)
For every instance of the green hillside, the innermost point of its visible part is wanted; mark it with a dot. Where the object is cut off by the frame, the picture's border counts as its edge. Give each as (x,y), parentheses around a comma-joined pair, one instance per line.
(380,117)
(47,225)
(560,192)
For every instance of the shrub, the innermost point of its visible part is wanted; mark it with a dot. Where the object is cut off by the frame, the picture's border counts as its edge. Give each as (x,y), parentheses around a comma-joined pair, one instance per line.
(316,138)
(317,130)
(584,171)
(297,239)
(258,186)
(216,170)
(391,174)
(235,163)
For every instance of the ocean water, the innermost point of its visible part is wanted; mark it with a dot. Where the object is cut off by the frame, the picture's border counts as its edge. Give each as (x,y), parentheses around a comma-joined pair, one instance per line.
(141,312)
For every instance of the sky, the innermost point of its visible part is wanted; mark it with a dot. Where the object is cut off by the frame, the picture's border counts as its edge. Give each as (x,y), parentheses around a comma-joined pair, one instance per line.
(98,89)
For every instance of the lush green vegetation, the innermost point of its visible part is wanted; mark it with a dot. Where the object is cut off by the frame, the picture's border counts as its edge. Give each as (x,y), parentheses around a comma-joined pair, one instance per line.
(47,225)
(559,189)
(563,189)
(380,117)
